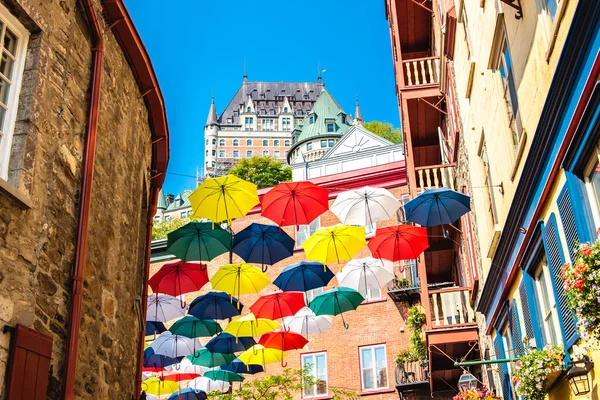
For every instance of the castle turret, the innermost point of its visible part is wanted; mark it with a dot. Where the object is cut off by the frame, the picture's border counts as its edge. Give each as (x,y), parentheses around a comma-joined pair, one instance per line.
(358,120)
(211,131)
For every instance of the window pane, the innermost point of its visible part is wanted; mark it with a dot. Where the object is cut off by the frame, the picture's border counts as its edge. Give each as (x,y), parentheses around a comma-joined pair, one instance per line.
(367,379)
(6,65)
(382,377)
(10,41)
(380,356)
(595,181)
(366,358)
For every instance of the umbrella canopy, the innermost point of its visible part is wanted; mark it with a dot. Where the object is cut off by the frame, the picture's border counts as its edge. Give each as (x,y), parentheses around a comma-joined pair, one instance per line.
(237,279)
(198,241)
(306,322)
(193,327)
(336,301)
(295,203)
(263,244)
(335,243)
(249,325)
(207,358)
(178,278)
(219,374)
(437,207)
(365,206)
(278,305)
(154,327)
(283,340)
(164,308)
(261,355)
(227,343)
(208,385)
(158,387)
(399,242)
(366,273)
(189,394)
(185,366)
(240,368)
(303,276)
(172,374)
(215,305)
(175,345)
(157,362)
(224,198)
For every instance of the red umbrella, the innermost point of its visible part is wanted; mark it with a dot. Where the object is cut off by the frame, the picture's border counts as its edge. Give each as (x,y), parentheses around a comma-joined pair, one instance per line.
(399,242)
(283,340)
(295,203)
(278,305)
(178,278)
(176,376)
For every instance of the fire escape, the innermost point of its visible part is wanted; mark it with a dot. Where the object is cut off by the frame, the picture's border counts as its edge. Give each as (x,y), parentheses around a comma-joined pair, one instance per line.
(447,277)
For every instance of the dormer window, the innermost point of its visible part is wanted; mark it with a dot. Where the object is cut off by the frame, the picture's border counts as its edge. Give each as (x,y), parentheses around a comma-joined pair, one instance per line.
(285,109)
(272,111)
(230,120)
(311,120)
(306,97)
(263,111)
(299,111)
(235,113)
(262,95)
(249,109)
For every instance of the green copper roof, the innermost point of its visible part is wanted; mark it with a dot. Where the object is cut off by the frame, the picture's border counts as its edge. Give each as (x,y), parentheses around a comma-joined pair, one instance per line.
(162,201)
(181,201)
(325,111)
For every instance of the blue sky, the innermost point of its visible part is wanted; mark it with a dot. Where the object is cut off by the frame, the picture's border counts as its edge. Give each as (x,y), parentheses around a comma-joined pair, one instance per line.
(198,46)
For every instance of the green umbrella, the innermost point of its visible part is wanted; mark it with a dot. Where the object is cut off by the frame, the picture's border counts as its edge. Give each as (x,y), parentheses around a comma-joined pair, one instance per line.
(192,327)
(205,358)
(198,241)
(223,375)
(336,301)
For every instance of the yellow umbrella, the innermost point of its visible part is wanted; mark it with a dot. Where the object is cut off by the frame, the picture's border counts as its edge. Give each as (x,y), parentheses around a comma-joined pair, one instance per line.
(261,355)
(335,243)
(224,198)
(249,325)
(157,387)
(236,279)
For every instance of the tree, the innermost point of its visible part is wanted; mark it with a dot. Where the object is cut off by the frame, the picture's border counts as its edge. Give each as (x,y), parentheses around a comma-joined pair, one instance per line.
(160,230)
(262,171)
(385,130)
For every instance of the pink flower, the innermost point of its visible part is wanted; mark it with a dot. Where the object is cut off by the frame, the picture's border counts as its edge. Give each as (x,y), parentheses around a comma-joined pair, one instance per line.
(519,364)
(578,284)
(567,285)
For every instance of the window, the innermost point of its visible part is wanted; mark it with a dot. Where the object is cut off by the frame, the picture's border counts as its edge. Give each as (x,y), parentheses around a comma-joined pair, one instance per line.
(373,294)
(299,112)
(488,184)
(286,124)
(221,153)
(265,142)
(317,366)
(214,141)
(323,143)
(311,120)
(236,154)
(206,142)
(329,127)
(214,153)
(248,109)
(266,153)
(306,97)
(286,143)
(309,146)
(248,142)
(547,303)
(249,124)
(550,7)
(272,111)
(248,153)
(222,142)
(373,365)
(183,214)
(157,219)
(370,229)
(285,109)
(236,142)
(276,153)
(331,142)
(168,218)
(465,22)
(303,232)
(235,113)
(263,111)
(275,142)
(592,184)
(310,295)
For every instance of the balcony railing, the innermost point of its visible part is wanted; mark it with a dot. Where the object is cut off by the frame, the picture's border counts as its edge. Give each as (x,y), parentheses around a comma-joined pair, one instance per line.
(451,307)
(421,71)
(435,176)
(411,373)
(406,287)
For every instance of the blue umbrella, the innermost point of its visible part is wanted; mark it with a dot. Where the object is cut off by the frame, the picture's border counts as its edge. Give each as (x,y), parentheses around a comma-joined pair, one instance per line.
(239,367)
(189,394)
(154,327)
(263,244)
(156,362)
(303,276)
(227,343)
(215,305)
(436,207)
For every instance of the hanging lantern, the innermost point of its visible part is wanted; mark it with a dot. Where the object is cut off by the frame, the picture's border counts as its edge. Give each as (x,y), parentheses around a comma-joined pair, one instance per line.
(578,376)
(467,382)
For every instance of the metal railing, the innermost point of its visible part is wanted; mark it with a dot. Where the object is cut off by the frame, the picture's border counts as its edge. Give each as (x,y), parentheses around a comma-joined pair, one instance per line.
(435,176)
(421,71)
(451,307)
(410,279)
(410,373)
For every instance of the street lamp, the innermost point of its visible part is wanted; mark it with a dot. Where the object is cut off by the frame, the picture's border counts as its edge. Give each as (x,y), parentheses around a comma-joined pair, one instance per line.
(467,382)
(578,376)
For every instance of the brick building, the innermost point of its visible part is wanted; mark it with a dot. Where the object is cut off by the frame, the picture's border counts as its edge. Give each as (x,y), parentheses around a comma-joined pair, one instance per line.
(77,85)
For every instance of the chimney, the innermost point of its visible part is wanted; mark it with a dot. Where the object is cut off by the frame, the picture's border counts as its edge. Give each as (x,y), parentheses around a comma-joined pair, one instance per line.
(170,198)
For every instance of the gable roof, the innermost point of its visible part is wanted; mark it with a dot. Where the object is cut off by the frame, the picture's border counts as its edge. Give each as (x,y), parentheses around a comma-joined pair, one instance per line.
(357,135)
(181,201)
(325,110)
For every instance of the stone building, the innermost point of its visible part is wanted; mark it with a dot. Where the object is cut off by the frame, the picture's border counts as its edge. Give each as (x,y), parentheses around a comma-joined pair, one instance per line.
(83,130)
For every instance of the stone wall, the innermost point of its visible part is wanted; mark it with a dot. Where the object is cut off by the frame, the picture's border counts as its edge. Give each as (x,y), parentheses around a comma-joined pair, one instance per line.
(37,244)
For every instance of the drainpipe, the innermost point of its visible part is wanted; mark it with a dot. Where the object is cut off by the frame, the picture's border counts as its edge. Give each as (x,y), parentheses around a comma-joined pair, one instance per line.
(78,271)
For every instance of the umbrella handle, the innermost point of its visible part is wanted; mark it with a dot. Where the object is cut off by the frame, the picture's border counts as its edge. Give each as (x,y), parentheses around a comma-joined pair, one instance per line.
(182,303)
(283,365)
(264,268)
(203,266)
(346,326)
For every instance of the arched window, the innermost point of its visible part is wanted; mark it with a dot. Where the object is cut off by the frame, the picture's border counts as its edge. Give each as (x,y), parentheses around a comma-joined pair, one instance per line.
(275,142)
(214,141)
(248,109)
(222,142)
(285,109)
(286,143)
(249,142)
(236,142)
(265,142)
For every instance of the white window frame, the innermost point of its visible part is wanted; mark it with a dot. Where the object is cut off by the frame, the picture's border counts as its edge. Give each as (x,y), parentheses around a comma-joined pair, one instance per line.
(306,230)
(310,295)
(222,153)
(22,35)
(236,154)
(249,153)
(265,153)
(314,370)
(591,193)
(222,142)
(276,154)
(373,368)
(547,303)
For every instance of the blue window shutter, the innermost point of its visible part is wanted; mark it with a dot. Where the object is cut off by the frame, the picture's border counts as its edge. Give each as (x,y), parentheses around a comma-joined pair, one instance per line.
(515,329)
(556,260)
(502,368)
(526,317)
(531,311)
(575,194)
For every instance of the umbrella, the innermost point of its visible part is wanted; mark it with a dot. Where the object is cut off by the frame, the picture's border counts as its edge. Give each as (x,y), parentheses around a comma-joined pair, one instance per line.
(306,322)
(189,394)
(224,198)
(215,305)
(240,368)
(278,305)
(283,340)
(249,325)
(399,242)
(175,345)
(237,279)
(227,343)
(294,203)
(335,243)
(365,206)
(163,308)
(173,374)
(154,327)
(207,358)
(158,387)
(198,241)
(185,366)
(157,362)
(336,301)
(193,327)
(208,385)
(303,276)
(219,374)
(261,355)
(437,207)
(178,278)
(364,273)
(263,244)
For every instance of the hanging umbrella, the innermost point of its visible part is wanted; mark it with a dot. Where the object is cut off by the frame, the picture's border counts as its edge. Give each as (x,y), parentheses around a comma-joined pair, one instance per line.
(227,343)
(283,340)
(157,362)
(262,355)
(158,387)
(207,358)
(306,322)
(215,305)
(294,203)
(336,301)
(185,366)
(198,241)
(278,305)
(208,385)
(303,276)
(164,308)
(437,207)
(178,278)
(263,244)
(175,345)
(175,375)
(219,374)
(237,279)
(365,206)
(154,327)
(193,327)
(399,242)
(366,273)
(224,198)
(335,243)
(249,325)
(240,368)
(189,394)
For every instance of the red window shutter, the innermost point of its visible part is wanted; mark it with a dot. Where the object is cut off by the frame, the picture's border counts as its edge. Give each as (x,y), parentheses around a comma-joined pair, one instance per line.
(29,364)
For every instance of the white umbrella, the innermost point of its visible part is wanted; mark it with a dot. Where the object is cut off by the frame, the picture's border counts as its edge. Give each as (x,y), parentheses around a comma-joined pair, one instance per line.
(366,273)
(365,206)
(164,308)
(306,322)
(175,345)
(185,366)
(208,385)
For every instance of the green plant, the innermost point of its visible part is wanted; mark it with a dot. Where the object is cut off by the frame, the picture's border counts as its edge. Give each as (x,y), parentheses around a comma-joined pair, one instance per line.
(532,370)
(416,352)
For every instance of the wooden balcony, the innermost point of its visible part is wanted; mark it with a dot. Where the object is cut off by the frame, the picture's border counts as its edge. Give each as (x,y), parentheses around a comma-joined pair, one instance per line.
(412,376)
(421,72)
(406,288)
(451,308)
(435,176)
